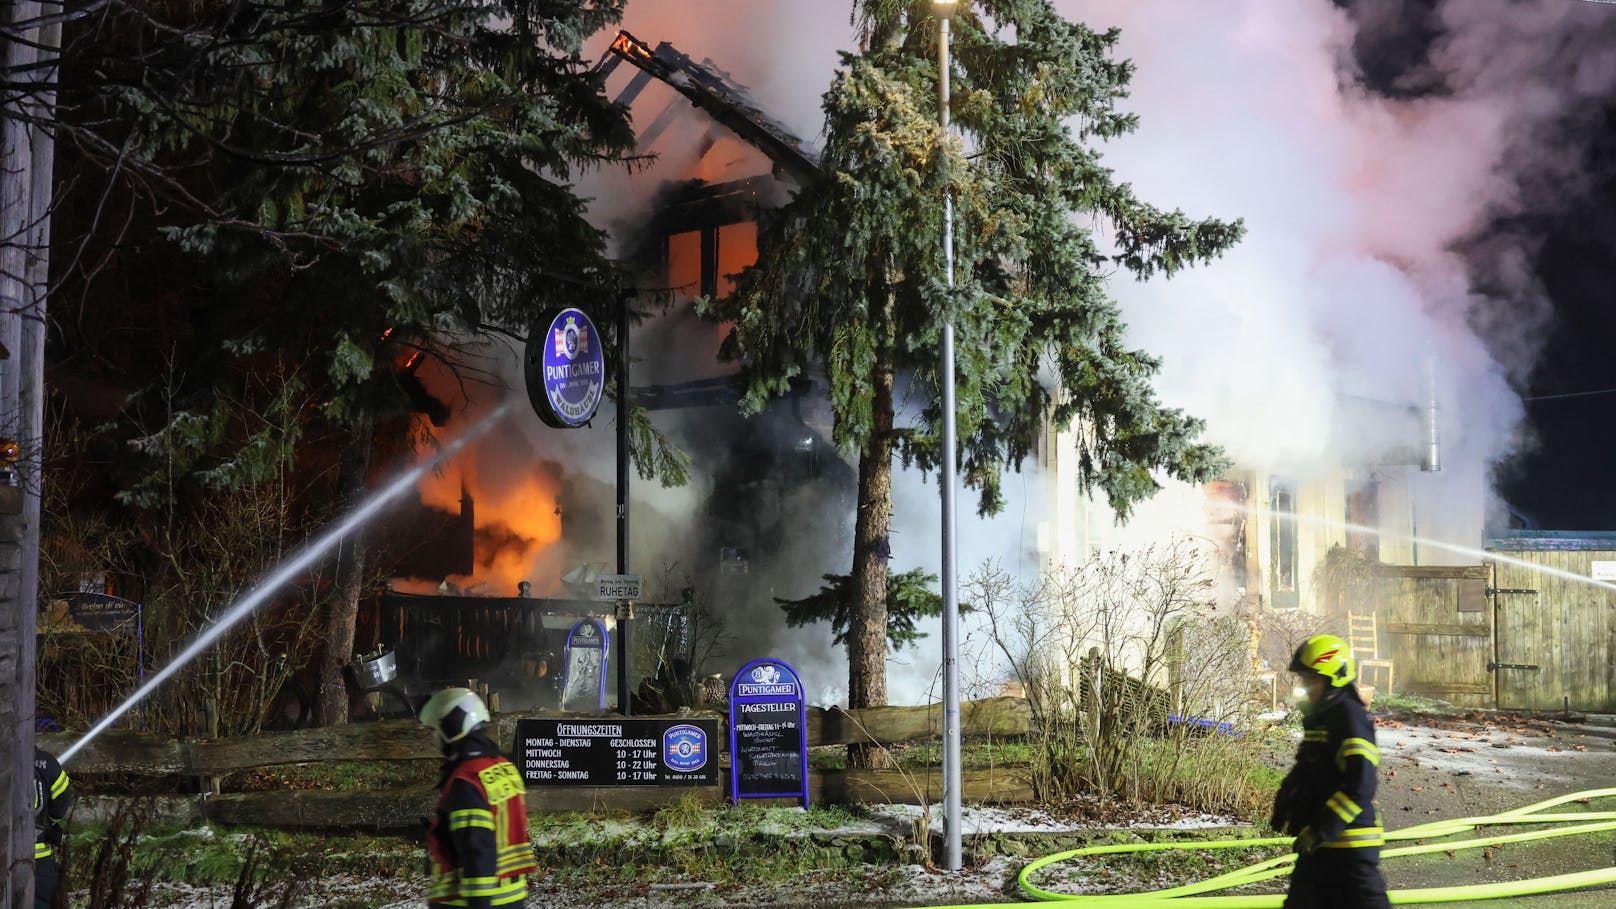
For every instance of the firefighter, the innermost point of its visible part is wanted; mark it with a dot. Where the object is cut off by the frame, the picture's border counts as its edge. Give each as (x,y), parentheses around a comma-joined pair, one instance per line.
(477,840)
(53,795)
(1327,800)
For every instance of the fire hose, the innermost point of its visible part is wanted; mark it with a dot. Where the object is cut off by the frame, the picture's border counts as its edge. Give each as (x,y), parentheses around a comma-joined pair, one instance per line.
(1187,896)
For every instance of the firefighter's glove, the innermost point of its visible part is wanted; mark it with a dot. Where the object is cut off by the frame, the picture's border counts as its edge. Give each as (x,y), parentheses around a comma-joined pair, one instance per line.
(53,835)
(1280,819)
(1306,842)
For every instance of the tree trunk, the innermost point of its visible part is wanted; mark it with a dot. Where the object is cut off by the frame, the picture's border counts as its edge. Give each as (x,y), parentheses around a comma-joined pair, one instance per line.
(872,548)
(351,560)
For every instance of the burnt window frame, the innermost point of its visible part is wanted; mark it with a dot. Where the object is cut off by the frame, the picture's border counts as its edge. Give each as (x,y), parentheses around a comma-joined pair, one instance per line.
(1284,549)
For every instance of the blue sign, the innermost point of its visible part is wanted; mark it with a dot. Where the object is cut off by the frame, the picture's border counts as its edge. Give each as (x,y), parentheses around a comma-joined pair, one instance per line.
(768,733)
(570,369)
(684,748)
(583,667)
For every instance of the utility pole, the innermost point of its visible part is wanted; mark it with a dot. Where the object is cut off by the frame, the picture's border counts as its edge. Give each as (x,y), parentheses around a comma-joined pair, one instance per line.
(625,609)
(26,171)
(952,775)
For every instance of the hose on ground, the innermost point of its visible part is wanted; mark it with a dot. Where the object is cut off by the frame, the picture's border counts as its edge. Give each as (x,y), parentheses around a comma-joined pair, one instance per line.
(1188,896)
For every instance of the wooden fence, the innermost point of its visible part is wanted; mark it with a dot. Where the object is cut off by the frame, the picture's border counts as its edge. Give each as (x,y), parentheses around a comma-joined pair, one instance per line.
(1556,632)
(1531,629)
(123,753)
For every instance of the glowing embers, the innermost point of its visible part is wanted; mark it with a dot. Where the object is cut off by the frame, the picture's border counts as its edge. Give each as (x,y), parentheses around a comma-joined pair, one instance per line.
(627,45)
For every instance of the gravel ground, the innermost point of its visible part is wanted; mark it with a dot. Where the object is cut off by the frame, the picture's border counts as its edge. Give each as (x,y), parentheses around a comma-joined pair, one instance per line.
(1473,765)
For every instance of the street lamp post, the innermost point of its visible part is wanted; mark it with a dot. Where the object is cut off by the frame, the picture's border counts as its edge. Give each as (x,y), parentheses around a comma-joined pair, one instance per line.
(951,703)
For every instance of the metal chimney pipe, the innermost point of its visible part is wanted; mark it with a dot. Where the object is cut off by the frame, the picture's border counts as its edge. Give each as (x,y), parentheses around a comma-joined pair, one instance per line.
(1431,462)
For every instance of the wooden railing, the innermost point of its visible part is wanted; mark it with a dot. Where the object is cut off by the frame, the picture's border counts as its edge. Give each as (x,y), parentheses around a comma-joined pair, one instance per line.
(124,753)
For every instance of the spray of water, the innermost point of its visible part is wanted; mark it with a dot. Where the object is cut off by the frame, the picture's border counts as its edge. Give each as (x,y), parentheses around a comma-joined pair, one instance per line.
(300,562)
(1481,555)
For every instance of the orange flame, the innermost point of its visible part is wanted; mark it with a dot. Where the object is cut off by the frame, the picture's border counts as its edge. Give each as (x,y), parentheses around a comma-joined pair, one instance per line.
(626,45)
(517,517)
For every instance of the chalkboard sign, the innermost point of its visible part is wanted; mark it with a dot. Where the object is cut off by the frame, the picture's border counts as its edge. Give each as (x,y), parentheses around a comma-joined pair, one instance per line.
(583,667)
(768,733)
(617,752)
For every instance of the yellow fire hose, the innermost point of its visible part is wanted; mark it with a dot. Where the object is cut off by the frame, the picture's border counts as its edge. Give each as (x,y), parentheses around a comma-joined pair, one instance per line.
(1184,897)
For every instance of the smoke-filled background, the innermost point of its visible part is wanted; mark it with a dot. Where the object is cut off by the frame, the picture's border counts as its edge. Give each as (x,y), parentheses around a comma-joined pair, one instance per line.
(1387,158)
(1383,154)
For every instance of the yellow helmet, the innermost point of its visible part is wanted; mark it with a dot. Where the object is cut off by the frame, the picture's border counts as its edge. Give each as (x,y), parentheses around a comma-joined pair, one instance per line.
(1328,656)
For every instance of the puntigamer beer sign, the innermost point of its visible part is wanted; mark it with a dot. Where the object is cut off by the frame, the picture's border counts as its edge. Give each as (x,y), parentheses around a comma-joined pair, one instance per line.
(566,370)
(768,733)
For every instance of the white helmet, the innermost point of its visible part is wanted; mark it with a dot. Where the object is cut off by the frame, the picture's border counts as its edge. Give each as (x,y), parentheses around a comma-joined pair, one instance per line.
(453,712)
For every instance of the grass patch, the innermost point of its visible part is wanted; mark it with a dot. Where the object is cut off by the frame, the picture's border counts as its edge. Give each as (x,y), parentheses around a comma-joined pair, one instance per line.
(978,755)
(335,775)
(1264,778)
(688,841)
(1138,871)
(208,855)
(1211,774)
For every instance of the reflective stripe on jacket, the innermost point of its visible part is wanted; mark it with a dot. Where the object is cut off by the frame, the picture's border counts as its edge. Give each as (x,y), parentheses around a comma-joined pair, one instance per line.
(52,798)
(479,841)
(1337,770)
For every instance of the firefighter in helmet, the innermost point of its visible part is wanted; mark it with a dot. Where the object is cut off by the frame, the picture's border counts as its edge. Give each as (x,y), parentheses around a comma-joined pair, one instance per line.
(478,841)
(1327,800)
(53,795)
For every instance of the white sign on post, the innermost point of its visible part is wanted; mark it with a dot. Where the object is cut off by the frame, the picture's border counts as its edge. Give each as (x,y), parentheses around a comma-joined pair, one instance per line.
(1604,570)
(617,587)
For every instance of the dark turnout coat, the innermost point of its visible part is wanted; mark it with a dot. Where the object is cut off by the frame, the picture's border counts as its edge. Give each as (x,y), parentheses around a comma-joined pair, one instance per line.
(1328,802)
(1332,787)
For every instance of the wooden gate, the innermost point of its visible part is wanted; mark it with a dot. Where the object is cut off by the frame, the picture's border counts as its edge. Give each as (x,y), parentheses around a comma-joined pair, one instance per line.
(1435,627)
(1556,635)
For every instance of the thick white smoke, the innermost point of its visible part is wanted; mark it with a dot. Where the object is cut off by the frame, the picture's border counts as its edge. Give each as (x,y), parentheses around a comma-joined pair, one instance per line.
(1301,345)
(1368,237)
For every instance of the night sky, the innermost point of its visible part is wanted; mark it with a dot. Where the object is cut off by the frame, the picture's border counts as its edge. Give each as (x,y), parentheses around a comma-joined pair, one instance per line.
(1563,477)
(1568,482)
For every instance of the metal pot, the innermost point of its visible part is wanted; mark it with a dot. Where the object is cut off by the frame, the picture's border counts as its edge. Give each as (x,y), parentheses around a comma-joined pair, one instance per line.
(373,670)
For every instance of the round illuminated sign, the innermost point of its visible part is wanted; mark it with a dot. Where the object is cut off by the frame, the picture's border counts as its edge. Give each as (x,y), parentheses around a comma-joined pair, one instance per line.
(566,370)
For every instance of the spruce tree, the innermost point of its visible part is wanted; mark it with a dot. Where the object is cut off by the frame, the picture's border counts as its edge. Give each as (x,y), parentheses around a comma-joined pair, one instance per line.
(849,277)
(319,189)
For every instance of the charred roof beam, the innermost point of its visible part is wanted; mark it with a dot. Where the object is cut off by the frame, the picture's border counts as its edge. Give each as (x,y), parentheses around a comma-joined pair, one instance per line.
(720,99)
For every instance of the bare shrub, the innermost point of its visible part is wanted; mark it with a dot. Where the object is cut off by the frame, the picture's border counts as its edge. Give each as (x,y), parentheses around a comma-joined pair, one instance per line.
(1136,681)
(238,537)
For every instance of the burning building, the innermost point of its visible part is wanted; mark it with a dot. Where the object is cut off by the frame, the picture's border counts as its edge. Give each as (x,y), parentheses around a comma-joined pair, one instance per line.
(525,510)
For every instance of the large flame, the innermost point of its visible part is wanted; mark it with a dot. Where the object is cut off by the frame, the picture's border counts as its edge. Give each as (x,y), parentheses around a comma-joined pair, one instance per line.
(517,517)
(514,497)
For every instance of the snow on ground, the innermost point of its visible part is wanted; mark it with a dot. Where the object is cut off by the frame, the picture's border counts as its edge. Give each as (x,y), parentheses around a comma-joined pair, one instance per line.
(394,893)
(975,820)
(1519,756)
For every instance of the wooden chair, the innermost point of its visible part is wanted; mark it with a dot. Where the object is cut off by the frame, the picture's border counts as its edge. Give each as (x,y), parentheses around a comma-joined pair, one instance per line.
(1363,635)
(1264,680)
(1268,679)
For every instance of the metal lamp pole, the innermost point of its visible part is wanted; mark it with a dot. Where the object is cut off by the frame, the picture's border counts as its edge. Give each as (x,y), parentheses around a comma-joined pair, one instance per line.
(951,702)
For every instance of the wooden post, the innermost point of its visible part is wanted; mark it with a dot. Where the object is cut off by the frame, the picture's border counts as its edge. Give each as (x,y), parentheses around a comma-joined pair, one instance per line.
(210,712)
(26,153)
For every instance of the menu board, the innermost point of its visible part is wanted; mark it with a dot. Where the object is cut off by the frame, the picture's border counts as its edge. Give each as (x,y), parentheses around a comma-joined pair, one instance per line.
(768,733)
(617,752)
